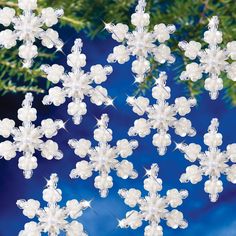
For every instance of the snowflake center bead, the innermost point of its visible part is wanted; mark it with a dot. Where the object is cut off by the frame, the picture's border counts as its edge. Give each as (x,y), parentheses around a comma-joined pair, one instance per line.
(213,60)
(52,220)
(161,116)
(152,207)
(104,158)
(140,43)
(28,27)
(28,138)
(77,84)
(213,163)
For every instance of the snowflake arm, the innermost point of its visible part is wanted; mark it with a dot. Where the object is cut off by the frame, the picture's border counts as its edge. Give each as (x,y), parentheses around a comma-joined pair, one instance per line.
(153,208)
(212,163)
(77,84)
(53,219)
(140,43)
(161,116)
(103,158)
(211,61)
(27,138)
(29,27)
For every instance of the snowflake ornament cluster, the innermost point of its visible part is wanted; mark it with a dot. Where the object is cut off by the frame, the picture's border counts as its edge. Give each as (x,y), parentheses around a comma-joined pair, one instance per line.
(28,27)
(77,84)
(212,61)
(153,208)
(52,219)
(140,43)
(212,163)
(161,116)
(28,138)
(103,158)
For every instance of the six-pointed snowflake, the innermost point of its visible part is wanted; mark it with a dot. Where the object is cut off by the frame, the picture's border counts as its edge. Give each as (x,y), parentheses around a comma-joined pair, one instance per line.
(153,208)
(140,43)
(161,116)
(53,219)
(28,27)
(77,84)
(103,158)
(211,61)
(212,163)
(28,138)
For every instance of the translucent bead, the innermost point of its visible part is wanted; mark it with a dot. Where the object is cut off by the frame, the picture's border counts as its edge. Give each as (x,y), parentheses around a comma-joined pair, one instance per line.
(231,48)
(161,32)
(31,229)
(7,39)
(7,150)
(193,174)
(140,19)
(213,37)
(6,127)
(27,5)
(231,71)
(49,16)
(6,16)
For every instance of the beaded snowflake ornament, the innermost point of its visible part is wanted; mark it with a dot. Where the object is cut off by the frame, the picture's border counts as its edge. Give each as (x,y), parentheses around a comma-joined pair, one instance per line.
(28,27)
(212,163)
(161,116)
(140,43)
(103,158)
(52,219)
(212,61)
(77,84)
(28,138)
(153,208)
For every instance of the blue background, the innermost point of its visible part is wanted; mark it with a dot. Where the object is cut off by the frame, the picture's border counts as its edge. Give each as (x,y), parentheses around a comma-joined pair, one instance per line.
(205,218)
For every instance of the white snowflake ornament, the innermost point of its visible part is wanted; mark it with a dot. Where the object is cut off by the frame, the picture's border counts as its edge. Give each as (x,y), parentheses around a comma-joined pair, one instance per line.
(28,138)
(161,116)
(153,208)
(28,28)
(212,163)
(212,61)
(52,219)
(140,43)
(77,84)
(103,158)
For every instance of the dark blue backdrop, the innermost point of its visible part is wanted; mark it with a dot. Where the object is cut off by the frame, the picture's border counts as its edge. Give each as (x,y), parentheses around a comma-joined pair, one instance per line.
(205,218)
